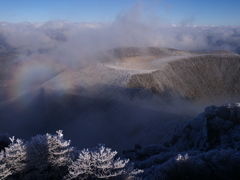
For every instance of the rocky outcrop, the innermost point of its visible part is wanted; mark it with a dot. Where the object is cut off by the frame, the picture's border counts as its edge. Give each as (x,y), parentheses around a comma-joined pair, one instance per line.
(216,128)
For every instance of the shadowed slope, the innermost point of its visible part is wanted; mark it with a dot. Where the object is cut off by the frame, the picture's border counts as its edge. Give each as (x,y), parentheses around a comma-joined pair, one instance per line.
(203,77)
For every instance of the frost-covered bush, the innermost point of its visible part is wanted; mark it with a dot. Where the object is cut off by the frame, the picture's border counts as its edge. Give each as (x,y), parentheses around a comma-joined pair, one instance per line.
(42,157)
(100,163)
(12,158)
(214,164)
(15,154)
(51,157)
(47,157)
(5,170)
(59,151)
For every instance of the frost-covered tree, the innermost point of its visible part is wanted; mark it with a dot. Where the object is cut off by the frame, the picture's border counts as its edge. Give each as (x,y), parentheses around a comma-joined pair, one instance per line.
(5,171)
(42,157)
(37,153)
(182,158)
(13,158)
(15,154)
(48,156)
(60,151)
(99,163)
(51,157)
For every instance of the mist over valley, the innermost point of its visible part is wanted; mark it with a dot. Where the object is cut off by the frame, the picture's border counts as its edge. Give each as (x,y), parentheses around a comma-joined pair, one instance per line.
(163,95)
(92,92)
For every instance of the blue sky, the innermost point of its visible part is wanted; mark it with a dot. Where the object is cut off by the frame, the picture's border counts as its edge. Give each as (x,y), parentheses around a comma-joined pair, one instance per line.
(201,12)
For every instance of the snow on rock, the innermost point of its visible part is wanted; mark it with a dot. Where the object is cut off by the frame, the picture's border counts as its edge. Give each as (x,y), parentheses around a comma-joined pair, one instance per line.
(206,147)
(216,128)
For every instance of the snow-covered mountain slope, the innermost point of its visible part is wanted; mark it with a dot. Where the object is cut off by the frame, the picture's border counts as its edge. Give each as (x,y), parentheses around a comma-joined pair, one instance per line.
(199,76)
(129,96)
